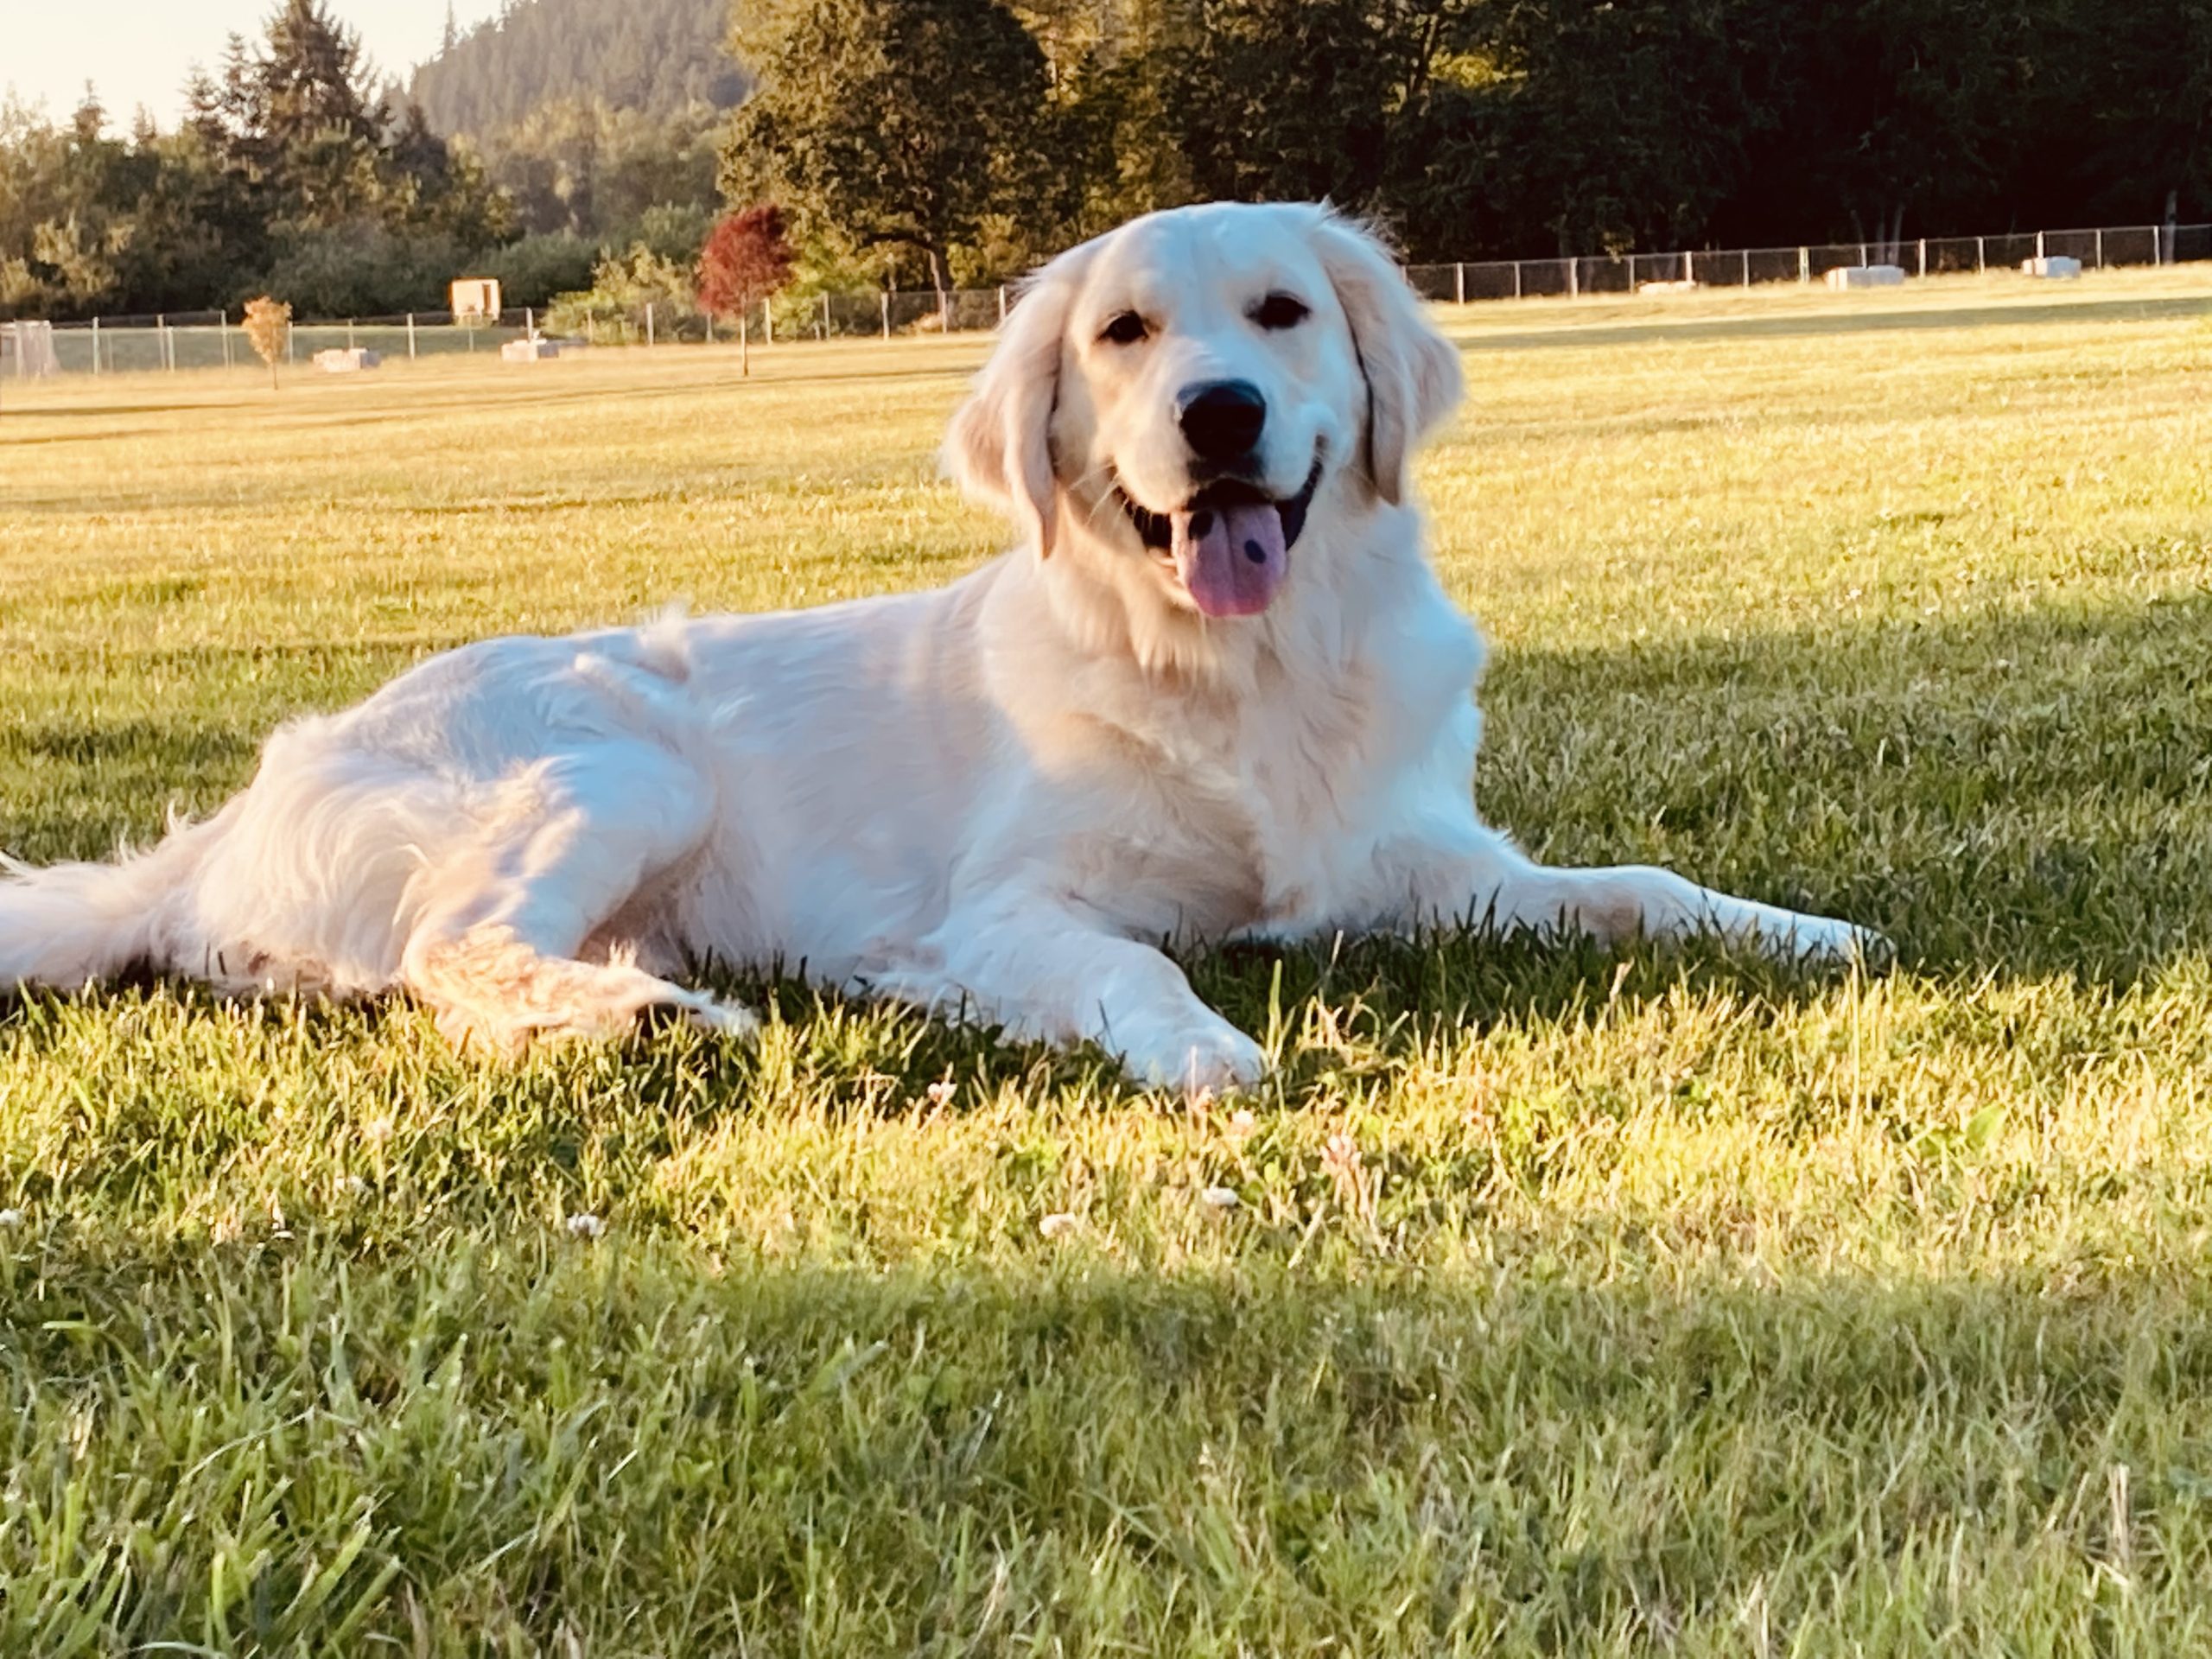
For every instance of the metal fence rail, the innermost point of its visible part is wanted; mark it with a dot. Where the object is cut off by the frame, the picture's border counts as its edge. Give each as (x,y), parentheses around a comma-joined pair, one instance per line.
(2097,248)
(214,340)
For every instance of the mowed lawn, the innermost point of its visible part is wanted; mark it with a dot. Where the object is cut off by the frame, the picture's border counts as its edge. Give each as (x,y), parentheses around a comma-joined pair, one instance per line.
(1670,1303)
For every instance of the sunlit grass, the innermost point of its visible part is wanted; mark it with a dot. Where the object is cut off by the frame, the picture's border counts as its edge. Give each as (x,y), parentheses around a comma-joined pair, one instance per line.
(1671,1303)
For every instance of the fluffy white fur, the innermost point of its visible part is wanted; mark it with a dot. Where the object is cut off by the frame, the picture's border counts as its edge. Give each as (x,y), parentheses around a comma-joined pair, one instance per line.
(999,796)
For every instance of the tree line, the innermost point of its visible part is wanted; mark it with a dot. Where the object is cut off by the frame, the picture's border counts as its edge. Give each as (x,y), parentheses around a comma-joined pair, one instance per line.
(289,173)
(968,137)
(960,141)
(294,173)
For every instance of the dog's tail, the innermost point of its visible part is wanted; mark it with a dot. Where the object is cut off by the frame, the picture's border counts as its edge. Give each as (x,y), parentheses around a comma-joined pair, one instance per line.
(68,926)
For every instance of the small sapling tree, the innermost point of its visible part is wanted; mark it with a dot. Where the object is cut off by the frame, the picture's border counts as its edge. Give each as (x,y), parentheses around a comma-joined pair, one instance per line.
(747,259)
(268,324)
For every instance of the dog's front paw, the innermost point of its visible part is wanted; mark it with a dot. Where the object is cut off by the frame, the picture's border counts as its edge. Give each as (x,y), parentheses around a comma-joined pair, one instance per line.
(1823,941)
(1196,1056)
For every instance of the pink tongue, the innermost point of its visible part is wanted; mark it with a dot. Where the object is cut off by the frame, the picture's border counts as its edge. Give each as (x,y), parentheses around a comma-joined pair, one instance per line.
(1232,559)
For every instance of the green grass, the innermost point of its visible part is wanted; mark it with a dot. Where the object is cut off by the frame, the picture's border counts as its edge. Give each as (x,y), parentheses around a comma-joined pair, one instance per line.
(1670,1303)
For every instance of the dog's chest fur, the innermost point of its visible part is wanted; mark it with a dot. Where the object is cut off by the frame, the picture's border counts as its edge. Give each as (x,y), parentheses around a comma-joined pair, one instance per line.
(1263,797)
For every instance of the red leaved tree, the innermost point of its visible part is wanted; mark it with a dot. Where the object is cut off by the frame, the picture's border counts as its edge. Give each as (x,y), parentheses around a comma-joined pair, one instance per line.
(747,259)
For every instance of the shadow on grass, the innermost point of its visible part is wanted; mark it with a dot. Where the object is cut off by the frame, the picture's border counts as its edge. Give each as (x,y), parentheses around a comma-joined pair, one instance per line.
(92,411)
(1357,1460)
(2017,794)
(99,744)
(2020,792)
(1661,330)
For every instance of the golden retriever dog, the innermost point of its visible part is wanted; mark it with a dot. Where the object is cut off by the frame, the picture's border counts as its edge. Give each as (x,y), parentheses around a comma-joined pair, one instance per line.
(1216,692)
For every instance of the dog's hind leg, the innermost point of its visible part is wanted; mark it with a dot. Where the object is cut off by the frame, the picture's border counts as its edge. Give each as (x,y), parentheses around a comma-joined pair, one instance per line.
(571,862)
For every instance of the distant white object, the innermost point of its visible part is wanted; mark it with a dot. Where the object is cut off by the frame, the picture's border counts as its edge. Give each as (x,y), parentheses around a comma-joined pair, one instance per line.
(476,297)
(1866,276)
(2055,265)
(535,349)
(27,350)
(1680,285)
(347,359)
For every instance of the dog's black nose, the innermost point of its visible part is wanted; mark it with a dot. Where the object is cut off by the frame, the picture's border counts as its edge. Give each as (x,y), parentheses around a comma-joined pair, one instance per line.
(1221,418)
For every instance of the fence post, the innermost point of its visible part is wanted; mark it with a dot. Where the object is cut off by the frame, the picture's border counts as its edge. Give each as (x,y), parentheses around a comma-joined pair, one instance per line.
(1981,258)
(1459,285)
(885,298)
(1923,256)
(96,345)
(2039,245)
(2101,247)
(1002,305)
(529,322)
(1517,279)
(1747,267)
(410,336)
(1804,265)
(1574,276)
(648,323)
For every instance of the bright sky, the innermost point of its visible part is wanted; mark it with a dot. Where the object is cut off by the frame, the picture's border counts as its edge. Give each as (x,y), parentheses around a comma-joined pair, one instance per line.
(140,51)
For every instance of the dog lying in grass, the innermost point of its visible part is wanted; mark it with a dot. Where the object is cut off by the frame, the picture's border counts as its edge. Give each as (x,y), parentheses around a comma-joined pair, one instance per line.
(1216,692)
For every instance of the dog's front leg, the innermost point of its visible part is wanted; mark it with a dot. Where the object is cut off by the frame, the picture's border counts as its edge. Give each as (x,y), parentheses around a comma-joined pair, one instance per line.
(1483,879)
(1058,973)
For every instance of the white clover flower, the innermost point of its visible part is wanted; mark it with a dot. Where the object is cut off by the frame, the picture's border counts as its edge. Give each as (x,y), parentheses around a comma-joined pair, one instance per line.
(1220,1198)
(584,1225)
(1059,1222)
(940,1094)
(11,1217)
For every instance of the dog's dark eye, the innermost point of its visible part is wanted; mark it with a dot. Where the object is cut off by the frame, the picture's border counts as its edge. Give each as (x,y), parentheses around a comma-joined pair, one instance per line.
(1281,310)
(1125,329)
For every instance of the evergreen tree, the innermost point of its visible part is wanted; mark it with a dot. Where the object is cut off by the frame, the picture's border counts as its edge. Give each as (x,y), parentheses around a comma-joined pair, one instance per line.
(894,123)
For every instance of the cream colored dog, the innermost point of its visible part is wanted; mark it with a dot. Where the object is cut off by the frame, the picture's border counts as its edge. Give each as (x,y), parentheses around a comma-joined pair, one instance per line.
(1217,692)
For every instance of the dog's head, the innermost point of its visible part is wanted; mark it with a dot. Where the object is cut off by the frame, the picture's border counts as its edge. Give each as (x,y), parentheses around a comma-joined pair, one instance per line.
(1183,388)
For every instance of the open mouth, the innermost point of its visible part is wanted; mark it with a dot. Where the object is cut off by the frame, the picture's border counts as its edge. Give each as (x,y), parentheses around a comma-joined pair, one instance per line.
(1156,530)
(1230,543)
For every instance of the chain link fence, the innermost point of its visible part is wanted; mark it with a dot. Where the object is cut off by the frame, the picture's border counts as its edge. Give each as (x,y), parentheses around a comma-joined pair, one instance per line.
(1630,273)
(214,340)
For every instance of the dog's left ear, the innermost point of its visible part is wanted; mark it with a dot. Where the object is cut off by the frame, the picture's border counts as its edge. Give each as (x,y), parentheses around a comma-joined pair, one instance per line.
(998,447)
(1412,373)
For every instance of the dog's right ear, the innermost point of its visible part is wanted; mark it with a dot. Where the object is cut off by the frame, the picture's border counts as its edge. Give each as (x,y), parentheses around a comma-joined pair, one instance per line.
(998,448)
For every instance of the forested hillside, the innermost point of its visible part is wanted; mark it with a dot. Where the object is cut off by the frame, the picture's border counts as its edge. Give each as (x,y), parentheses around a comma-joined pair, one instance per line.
(654,56)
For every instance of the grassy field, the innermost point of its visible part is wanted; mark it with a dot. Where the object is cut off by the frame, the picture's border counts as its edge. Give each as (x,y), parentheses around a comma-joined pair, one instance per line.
(1670,1303)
